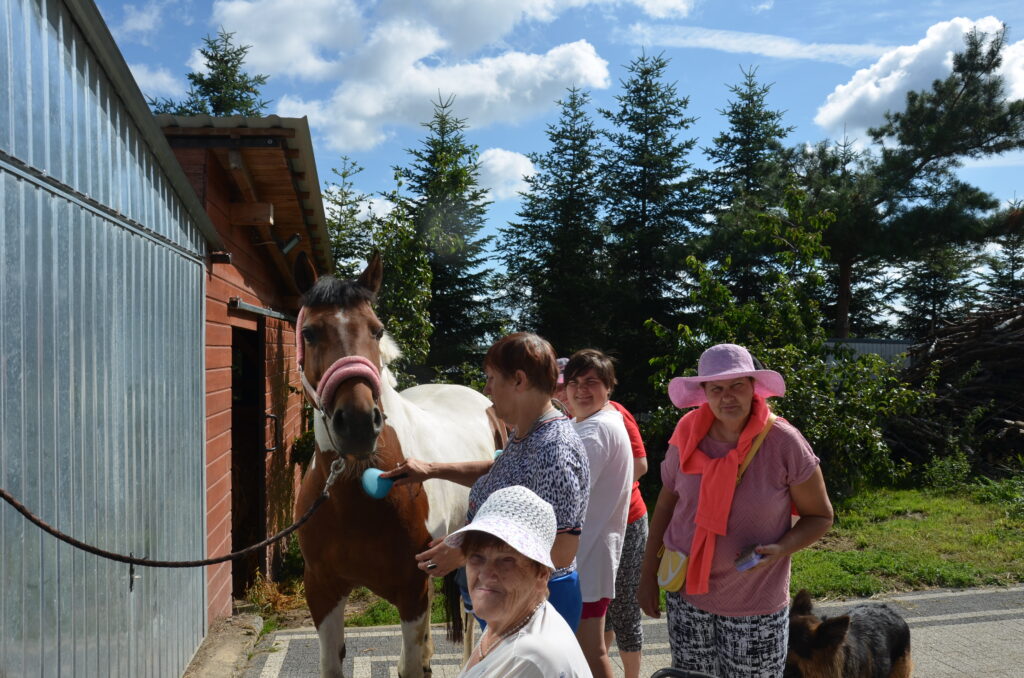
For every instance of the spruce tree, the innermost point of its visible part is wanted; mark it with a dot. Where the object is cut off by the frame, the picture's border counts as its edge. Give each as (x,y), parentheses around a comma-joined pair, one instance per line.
(936,290)
(1004,274)
(448,209)
(554,254)
(650,209)
(749,177)
(404,298)
(224,88)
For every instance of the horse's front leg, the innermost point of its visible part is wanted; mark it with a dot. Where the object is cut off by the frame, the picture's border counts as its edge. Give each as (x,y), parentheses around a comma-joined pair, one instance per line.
(331,632)
(417,644)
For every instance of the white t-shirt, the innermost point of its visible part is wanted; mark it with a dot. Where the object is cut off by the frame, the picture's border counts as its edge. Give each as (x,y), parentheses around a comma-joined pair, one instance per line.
(544,648)
(611,483)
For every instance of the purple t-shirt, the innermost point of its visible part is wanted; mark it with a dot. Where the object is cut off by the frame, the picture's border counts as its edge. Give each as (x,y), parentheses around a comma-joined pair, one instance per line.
(760,515)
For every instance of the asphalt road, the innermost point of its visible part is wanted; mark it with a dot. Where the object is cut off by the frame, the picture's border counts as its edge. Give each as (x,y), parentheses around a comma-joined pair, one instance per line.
(972,633)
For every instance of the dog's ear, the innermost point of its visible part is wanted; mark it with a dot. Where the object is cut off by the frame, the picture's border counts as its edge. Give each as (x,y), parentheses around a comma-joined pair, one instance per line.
(832,632)
(801,603)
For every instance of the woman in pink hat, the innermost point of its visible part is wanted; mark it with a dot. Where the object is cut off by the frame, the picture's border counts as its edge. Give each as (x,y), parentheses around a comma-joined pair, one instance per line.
(731,478)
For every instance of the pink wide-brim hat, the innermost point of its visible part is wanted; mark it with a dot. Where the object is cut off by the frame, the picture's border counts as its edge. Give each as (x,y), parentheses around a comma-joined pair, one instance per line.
(718,363)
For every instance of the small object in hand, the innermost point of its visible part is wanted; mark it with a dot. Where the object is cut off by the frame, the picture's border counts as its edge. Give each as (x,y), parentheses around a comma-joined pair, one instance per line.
(748,558)
(431,565)
(374,485)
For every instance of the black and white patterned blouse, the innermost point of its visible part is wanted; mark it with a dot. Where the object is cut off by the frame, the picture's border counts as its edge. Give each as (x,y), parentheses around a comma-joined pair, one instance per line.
(552,462)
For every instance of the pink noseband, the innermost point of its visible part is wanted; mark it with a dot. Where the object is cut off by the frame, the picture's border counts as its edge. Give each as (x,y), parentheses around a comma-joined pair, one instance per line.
(343,369)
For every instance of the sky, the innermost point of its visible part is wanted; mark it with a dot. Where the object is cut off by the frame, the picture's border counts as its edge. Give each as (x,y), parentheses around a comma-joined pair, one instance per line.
(366,73)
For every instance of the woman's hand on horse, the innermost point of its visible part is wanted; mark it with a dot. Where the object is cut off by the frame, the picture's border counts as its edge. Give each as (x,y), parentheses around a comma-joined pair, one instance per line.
(439,559)
(410,471)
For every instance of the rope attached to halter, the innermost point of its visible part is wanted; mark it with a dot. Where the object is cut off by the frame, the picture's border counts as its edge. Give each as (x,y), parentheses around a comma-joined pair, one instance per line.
(337,467)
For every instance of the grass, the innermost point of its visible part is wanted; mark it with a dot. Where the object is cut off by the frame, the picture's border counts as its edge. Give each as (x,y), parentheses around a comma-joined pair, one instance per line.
(901,540)
(883,541)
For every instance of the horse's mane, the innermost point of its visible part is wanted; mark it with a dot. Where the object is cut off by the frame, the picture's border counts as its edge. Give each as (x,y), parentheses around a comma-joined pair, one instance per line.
(330,291)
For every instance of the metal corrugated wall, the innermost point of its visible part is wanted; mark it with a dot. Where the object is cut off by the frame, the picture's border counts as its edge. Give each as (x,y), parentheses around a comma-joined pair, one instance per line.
(101,369)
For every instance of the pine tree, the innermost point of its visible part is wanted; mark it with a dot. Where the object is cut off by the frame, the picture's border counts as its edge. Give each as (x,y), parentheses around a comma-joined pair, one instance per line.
(448,209)
(554,256)
(223,88)
(915,202)
(749,176)
(404,298)
(650,211)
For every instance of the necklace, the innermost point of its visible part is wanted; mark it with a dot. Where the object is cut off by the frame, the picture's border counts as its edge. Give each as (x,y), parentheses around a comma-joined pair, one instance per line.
(481,652)
(548,415)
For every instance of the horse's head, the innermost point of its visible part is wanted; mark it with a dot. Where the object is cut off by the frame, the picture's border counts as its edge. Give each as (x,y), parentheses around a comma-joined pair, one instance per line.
(339,354)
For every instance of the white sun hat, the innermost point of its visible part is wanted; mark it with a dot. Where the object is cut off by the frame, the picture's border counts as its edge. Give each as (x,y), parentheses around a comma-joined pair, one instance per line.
(518,517)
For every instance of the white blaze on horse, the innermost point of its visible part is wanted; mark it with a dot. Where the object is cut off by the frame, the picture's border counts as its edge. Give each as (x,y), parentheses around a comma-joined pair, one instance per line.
(352,539)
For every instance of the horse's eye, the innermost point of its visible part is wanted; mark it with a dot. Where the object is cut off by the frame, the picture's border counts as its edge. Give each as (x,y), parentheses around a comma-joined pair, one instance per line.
(379,334)
(308,336)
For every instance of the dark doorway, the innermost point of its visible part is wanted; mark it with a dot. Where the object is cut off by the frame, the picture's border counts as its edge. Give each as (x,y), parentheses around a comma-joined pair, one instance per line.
(248,475)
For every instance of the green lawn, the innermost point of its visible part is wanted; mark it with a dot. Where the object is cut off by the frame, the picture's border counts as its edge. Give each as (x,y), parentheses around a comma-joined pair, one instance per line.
(902,540)
(889,540)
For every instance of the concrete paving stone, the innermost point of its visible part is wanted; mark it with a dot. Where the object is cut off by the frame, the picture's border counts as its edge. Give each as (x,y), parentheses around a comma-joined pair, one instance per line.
(973,633)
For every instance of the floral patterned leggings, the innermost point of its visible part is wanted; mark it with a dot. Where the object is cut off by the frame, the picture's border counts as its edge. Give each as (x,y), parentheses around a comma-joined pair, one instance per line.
(624,613)
(727,647)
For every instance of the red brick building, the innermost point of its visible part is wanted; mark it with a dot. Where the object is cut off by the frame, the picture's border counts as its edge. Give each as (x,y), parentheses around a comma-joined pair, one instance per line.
(257,180)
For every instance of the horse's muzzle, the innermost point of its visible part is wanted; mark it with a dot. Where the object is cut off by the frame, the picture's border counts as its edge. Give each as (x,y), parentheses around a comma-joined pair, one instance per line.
(357,429)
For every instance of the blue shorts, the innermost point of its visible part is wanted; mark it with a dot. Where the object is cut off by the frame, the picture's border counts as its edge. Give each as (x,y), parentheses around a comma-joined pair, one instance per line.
(563,594)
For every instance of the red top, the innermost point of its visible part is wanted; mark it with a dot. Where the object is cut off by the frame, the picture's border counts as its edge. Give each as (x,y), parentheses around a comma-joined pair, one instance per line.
(637,508)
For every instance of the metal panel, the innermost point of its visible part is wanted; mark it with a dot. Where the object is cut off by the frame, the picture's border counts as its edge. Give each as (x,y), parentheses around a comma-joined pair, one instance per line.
(61,116)
(101,369)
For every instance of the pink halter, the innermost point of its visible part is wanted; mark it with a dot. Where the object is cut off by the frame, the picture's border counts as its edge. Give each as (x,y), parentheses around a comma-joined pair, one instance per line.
(342,370)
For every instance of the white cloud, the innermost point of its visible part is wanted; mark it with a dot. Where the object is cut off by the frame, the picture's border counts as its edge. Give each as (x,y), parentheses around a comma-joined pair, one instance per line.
(375,207)
(390,84)
(663,35)
(764,6)
(139,23)
(862,102)
(301,38)
(502,172)
(157,82)
(663,9)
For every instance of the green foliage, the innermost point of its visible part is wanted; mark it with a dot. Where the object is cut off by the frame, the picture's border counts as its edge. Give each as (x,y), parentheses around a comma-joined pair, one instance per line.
(447,207)
(948,473)
(222,88)
(1008,493)
(303,448)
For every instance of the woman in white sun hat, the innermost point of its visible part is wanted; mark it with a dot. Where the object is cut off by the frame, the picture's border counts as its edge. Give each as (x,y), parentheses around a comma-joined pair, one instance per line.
(731,478)
(508,561)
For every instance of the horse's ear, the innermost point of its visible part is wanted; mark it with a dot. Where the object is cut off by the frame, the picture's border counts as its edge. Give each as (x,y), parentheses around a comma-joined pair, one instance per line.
(374,273)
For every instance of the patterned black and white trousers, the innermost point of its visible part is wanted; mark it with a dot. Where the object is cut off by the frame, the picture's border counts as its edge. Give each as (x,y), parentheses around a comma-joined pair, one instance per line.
(624,611)
(727,647)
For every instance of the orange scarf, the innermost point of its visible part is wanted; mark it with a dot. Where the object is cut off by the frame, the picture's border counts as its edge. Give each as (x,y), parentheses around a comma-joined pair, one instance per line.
(717,484)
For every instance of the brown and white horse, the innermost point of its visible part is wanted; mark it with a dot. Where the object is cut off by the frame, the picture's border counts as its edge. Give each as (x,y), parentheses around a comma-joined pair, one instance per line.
(355,540)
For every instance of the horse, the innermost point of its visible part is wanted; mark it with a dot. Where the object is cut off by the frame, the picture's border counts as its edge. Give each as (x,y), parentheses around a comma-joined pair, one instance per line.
(343,352)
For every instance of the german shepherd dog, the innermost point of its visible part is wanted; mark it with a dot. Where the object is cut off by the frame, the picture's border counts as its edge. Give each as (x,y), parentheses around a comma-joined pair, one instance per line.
(869,641)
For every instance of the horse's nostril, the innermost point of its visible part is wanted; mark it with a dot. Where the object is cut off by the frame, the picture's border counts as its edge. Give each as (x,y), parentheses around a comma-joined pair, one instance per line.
(339,420)
(378,419)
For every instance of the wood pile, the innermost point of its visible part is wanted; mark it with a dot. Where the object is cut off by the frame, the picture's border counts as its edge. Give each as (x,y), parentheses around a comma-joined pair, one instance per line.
(979,391)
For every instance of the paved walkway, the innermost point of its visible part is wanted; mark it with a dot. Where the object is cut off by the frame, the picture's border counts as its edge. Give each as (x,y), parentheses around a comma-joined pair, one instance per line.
(973,633)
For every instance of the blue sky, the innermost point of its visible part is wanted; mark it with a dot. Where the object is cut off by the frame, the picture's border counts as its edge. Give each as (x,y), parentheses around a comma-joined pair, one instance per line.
(366,73)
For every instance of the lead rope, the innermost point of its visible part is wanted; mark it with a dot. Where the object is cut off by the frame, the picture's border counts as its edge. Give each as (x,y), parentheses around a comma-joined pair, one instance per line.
(337,467)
